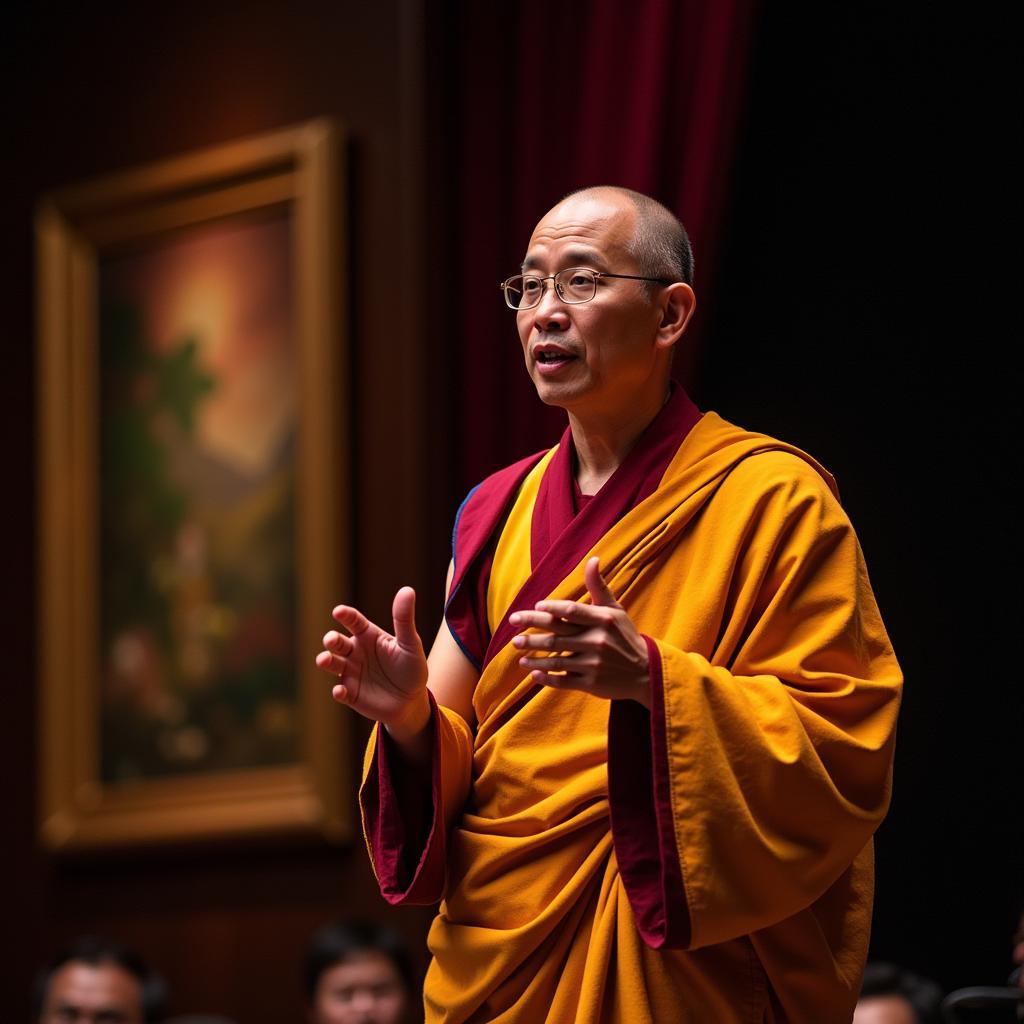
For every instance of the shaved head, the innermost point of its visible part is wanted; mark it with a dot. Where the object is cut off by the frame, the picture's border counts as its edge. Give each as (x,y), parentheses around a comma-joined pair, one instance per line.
(660,246)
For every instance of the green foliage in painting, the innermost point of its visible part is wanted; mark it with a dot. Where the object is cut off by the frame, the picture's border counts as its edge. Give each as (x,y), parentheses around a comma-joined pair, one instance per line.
(196,591)
(144,393)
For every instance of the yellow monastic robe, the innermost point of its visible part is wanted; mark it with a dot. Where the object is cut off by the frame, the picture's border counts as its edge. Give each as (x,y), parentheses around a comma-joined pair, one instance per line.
(775,694)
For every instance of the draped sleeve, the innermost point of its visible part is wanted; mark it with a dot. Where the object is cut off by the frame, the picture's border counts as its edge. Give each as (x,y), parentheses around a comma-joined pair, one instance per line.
(764,765)
(407,813)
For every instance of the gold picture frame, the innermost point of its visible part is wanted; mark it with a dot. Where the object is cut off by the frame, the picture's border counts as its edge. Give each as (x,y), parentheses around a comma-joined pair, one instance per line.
(291,179)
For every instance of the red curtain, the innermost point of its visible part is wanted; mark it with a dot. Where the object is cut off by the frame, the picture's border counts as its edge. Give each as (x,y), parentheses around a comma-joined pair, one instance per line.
(540,98)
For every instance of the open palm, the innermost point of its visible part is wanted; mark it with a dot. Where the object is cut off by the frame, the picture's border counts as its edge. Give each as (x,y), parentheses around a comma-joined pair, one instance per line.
(379,674)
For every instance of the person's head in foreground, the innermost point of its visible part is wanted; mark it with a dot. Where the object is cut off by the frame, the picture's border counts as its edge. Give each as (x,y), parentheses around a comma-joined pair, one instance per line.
(1017,952)
(892,995)
(95,981)
(358,974)
(604,295)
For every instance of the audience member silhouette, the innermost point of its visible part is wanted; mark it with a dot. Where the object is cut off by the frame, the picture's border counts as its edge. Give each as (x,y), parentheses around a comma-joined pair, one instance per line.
(359,973)
(96,981)
(893,995)
(1017,954)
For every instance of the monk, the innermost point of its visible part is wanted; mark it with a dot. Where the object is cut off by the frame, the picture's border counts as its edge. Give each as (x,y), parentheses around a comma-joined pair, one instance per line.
(643,763)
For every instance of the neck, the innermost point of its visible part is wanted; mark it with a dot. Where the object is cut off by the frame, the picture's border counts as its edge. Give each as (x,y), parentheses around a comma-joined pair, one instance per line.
(603,439)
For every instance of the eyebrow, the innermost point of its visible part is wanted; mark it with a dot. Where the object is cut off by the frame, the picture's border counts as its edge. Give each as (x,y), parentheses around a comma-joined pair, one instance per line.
(573,258)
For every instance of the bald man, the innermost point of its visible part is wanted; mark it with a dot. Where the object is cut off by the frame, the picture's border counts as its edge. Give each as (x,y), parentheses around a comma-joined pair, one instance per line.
(644,760)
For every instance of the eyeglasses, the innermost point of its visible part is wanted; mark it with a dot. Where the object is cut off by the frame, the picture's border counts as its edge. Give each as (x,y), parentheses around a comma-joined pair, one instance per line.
(524,291)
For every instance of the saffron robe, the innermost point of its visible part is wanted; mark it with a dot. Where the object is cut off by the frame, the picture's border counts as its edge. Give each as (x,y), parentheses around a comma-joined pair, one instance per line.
(709,860)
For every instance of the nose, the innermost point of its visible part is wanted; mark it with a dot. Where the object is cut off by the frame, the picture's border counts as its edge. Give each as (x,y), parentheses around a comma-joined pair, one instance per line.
(364,1002)
(550,314)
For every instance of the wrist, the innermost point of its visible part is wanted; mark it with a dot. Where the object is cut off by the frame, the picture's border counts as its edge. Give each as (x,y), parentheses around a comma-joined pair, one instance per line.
(412,721)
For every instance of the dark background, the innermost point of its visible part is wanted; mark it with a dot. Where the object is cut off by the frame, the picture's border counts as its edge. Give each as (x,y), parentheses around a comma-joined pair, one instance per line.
(860,241)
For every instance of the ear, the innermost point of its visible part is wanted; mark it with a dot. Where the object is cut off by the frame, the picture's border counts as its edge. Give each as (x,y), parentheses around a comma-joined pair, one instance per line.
(678,304)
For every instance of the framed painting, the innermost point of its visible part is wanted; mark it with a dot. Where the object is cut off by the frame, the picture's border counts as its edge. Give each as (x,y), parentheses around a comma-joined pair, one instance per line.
(192,475)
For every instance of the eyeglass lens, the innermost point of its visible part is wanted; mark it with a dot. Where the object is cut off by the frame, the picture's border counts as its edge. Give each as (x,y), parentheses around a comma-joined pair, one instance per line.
(575,285)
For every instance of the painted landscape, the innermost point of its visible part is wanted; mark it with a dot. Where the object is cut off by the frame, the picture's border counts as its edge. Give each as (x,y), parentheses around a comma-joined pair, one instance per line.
(198,419)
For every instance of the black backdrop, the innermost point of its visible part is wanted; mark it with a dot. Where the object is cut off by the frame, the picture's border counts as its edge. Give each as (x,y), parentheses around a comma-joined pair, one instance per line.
(864,314)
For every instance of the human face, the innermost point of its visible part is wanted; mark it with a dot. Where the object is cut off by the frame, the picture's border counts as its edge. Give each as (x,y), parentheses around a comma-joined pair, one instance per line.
(365,988)
(596,356)
(83,994)
(884,1010)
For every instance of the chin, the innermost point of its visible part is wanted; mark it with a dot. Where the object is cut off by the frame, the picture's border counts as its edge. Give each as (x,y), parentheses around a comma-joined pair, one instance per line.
(561,394)
(558,397)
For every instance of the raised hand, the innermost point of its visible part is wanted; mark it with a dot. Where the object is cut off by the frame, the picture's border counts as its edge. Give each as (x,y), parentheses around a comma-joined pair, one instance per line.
(590,647)
(381,676)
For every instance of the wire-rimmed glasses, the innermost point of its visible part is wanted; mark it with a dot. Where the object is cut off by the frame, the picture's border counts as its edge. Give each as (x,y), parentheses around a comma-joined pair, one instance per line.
(577,284)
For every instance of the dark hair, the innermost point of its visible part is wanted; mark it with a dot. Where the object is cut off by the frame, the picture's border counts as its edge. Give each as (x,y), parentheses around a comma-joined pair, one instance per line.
(660,245)
(335,943)
(923,995)
(98,952)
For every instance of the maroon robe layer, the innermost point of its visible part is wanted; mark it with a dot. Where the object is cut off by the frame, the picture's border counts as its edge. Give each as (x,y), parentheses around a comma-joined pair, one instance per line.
(408,845)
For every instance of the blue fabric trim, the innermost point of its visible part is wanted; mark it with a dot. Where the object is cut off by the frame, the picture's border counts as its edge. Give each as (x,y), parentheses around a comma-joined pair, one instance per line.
(461,646)
(455,532)
(455,526)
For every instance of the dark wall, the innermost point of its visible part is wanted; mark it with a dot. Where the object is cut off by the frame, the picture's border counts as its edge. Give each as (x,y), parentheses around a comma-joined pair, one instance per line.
(91,89)
(864,316)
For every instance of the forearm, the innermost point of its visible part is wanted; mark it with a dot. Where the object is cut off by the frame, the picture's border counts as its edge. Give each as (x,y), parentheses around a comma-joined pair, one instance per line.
(451,680)
(411,732)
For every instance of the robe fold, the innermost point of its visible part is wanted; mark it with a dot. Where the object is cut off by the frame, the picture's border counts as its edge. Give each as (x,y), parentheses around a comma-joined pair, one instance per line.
(709,860)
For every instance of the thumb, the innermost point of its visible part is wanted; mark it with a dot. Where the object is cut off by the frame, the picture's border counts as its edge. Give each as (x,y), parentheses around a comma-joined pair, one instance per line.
(599,592)
(403,611)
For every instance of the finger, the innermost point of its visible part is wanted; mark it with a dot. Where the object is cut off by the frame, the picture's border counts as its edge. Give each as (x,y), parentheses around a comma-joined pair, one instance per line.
(403,612)
(552,642)
(351,618)
(331,663)
(600,593)
(556,680)
(543,620)
(337,643)
(556,664)
(346,691)
(575,612)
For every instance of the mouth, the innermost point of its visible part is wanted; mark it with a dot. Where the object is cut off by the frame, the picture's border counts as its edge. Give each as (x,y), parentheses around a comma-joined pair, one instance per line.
(550,358)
